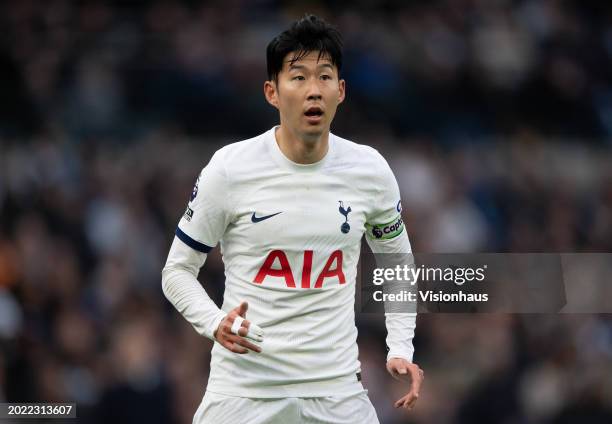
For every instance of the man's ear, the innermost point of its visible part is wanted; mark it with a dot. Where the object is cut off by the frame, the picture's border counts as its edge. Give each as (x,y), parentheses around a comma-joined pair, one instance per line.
(342,89)
(270,91)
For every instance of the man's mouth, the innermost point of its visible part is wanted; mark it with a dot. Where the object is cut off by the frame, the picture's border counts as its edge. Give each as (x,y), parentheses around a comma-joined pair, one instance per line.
(314,114)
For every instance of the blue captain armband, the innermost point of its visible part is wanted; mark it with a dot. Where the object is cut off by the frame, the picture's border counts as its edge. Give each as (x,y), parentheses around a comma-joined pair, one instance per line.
(386,231)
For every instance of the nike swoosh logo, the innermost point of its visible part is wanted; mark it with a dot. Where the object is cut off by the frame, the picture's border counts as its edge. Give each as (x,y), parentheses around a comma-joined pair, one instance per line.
(262,218)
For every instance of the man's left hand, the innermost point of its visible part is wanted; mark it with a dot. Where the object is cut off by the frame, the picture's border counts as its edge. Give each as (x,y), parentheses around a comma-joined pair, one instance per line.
(402,370)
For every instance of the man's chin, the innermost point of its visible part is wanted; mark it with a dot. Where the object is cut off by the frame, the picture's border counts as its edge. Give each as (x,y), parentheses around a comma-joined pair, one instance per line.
(314,131)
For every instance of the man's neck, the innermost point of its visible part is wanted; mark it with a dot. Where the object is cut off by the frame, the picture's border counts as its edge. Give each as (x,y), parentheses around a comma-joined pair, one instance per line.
(300,150)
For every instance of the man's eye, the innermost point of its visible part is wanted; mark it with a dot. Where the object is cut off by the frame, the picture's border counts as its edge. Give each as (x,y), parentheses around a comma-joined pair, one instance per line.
(298,77)
(325,77)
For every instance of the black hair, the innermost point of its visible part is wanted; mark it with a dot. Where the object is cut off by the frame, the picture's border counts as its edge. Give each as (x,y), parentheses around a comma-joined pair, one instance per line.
(305,35)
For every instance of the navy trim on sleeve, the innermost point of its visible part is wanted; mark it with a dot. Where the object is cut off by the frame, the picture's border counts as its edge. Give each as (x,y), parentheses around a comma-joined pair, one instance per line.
(200,247)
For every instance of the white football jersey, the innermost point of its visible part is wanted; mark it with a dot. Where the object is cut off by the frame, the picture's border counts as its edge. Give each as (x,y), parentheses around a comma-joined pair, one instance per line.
(290,237)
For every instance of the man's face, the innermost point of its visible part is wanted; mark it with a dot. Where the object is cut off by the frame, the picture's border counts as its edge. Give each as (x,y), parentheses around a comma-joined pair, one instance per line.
(306,93)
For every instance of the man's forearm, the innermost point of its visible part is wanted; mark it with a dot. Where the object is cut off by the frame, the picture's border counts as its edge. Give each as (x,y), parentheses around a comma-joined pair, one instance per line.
(400,318)
(400,332)
(182,288)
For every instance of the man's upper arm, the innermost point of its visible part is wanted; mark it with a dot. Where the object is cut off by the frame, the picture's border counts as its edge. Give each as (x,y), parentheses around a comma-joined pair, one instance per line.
(385,232)
(207,215)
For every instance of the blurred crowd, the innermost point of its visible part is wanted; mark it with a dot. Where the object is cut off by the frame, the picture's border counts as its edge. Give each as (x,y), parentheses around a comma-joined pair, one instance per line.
(455,69)
(495,116)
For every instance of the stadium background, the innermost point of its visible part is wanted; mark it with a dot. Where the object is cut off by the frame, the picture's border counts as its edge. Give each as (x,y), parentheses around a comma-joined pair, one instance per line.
(495,115)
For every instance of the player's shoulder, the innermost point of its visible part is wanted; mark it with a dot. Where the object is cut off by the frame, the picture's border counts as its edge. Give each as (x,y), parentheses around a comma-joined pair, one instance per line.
(359,154)
(240,155)
(243,150)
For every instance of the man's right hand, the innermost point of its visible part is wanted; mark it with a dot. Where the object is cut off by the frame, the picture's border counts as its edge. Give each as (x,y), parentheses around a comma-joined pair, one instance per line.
(234,328)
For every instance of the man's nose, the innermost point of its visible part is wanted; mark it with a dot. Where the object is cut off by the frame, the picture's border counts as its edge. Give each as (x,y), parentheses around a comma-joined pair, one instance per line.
(314,91)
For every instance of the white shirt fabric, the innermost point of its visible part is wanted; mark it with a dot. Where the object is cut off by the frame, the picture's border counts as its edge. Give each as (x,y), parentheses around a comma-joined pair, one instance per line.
(263,208)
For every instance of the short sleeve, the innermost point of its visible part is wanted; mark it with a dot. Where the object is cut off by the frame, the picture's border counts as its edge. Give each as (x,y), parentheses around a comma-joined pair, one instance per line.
(207,215)
(384,221)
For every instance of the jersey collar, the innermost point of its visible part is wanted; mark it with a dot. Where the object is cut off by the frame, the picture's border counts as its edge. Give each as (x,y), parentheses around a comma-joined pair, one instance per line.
(285,162)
